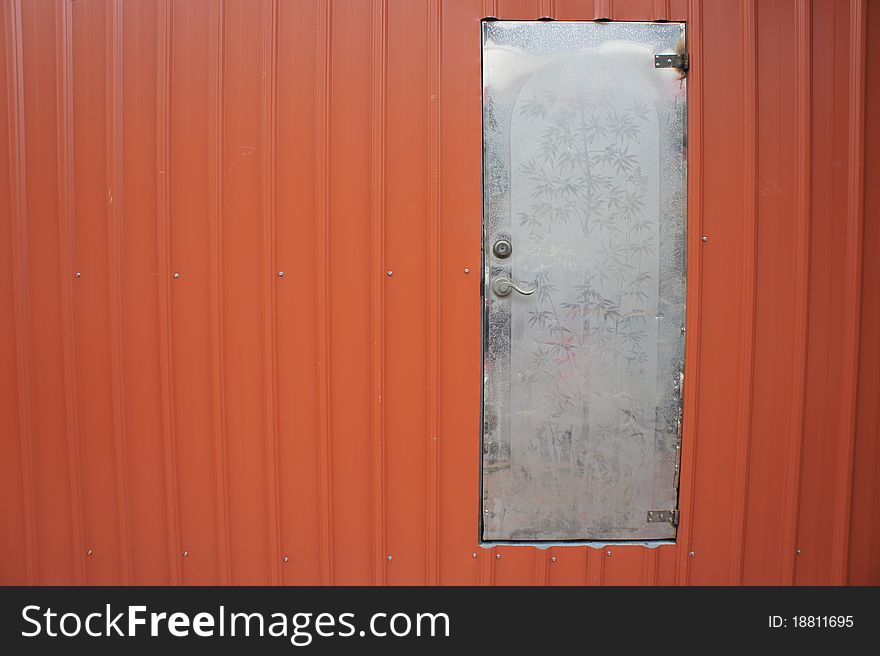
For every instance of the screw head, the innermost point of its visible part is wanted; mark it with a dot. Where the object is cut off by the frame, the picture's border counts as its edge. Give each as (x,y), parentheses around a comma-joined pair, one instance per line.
(608,553)
(77,275)
(176,275)
(280,274)
(705,238)
(498,556)
(285,559)
(799,552)
(553,559)
(89,552)
(467,270)
(691,554)
(474,555)
(186,554)
(389,557)
(389,273)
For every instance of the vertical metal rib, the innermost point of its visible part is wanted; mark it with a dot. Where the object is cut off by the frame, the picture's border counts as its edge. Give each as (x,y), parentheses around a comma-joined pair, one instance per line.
(322,317)
(660,10)
(547,8)
(215,256)
(268,218)
(852,291)
(694,290)
(435,40)
(542,567)
(803,168)
(163,228)
(20,282)
(66,240)
(114,237)
(377,283)
(748,49)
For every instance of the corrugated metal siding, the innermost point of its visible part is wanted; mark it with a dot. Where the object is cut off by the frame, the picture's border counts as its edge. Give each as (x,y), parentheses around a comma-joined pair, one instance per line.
(865,534)
(178,411)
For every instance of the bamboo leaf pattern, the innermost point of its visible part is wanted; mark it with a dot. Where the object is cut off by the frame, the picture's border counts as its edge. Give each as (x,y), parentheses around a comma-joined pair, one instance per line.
(588,326)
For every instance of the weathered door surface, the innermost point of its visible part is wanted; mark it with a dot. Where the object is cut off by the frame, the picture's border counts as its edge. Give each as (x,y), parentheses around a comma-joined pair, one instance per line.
(584,176)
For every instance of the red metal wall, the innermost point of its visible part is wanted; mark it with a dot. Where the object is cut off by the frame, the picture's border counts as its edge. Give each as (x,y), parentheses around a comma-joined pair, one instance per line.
(174,410)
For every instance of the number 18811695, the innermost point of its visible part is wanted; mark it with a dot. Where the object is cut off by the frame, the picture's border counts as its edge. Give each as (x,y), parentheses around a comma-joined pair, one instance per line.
(810,622)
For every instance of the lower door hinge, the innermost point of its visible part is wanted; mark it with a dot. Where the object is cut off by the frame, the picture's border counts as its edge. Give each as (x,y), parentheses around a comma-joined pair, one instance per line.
(658,516)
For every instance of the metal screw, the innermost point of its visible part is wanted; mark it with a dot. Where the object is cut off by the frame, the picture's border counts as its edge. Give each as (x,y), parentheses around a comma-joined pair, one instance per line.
(77,275)
(389,558)
(186,554)
(705,238)
(89,552)
(497,556)
(692,554)
(467,270)
(608,553)
(553,559)
(285,559)
(799,552)
(280,274)
(474,555)
(390,273)
(176,275)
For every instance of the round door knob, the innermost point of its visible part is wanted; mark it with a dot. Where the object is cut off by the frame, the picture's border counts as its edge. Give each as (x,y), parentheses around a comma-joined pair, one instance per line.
(502,248)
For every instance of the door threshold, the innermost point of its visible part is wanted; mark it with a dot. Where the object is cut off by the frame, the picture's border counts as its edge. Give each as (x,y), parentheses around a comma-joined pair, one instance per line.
(593,544)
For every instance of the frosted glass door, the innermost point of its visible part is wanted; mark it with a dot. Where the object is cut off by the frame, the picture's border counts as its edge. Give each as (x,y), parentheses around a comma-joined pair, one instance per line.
(584,179)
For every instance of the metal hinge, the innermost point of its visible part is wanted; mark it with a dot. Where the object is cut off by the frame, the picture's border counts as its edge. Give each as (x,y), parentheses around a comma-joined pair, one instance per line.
(673,60)
(670,516)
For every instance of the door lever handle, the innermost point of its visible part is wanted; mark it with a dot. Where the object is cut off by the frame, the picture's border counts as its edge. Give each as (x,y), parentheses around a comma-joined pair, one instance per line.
(503,287)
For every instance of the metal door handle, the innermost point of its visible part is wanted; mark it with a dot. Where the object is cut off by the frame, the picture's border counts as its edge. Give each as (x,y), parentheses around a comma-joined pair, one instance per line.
(503,287)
